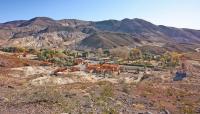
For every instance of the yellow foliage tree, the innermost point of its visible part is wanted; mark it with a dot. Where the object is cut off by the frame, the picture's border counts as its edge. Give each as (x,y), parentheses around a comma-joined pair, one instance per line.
(135,53)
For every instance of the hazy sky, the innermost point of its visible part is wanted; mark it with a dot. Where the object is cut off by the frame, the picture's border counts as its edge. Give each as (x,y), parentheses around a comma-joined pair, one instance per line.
(178,13)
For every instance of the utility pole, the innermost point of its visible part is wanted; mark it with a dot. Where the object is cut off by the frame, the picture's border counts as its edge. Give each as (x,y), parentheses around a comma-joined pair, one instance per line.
(75,44)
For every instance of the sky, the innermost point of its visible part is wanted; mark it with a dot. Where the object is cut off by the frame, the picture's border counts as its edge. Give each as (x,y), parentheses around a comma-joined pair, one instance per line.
(177,13)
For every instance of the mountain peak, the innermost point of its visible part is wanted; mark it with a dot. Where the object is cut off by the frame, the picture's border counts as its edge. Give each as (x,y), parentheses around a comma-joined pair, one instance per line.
(40,21)
(41,18)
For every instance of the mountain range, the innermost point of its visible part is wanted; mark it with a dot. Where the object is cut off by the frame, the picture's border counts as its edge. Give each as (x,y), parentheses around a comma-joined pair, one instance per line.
(44,32)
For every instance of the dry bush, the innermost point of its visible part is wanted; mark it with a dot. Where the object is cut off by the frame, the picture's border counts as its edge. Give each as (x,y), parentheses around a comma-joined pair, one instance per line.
(187,110)
(48,96)
(122,52)
(9,81)
(107,91)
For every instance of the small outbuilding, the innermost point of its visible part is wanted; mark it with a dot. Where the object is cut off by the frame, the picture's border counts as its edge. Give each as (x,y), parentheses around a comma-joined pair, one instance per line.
(179,76)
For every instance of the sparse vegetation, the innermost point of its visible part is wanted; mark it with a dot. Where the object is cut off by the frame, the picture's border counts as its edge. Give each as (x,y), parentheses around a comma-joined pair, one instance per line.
(170,59)
(108,95)
(14,49)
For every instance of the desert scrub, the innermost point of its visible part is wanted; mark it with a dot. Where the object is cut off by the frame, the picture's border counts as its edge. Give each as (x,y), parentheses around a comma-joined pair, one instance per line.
(51,97)
(187,110)
(103,99)
(169,92)
(107,91)
(46,96)
(125,86)
(72,105)
(110,111)
(104,94)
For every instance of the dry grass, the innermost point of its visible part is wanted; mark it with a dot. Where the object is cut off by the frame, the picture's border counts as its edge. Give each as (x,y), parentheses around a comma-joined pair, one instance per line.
(10,81)
(169,97)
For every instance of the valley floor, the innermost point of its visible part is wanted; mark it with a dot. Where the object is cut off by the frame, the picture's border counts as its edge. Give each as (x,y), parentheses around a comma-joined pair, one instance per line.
(26,87)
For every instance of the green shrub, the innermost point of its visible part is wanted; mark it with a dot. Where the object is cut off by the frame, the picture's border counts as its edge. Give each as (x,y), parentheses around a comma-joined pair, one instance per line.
(107,91)
(14,49)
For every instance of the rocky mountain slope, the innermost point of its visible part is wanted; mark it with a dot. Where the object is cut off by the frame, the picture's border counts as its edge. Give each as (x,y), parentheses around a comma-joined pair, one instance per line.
(44,32)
